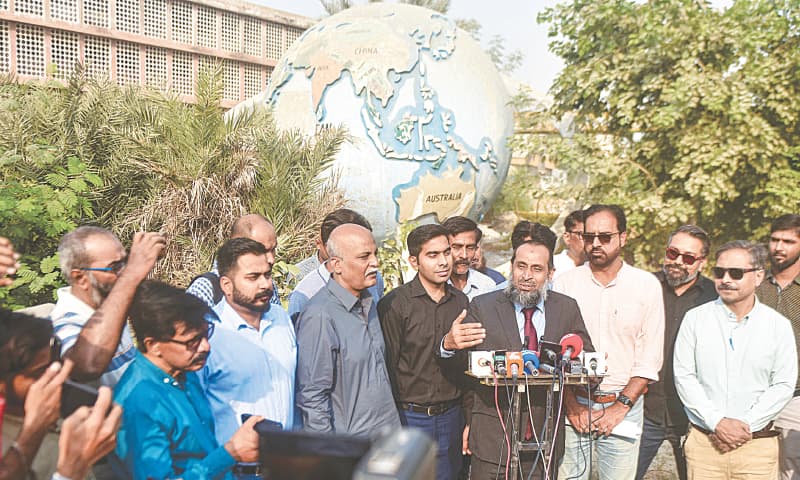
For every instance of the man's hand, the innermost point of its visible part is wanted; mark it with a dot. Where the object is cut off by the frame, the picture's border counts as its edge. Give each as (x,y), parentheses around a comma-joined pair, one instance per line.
(43,402)
(464,335)
(9,262)
(577,414)
(88,435)
(719,444)
(145,250)
(609,418)
(732,432)
(465,442)
(243,445)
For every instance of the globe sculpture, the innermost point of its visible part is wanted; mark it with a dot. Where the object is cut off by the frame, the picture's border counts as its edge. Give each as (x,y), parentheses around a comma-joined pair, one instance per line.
(425,107)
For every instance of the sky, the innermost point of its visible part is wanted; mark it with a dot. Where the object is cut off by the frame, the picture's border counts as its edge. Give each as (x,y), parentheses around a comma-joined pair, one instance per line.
(515,20)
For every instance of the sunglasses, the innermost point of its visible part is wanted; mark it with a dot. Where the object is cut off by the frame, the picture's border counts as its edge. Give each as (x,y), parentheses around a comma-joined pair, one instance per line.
(687,258)
(194,342)
(113,267)
(605,238)
(735,272)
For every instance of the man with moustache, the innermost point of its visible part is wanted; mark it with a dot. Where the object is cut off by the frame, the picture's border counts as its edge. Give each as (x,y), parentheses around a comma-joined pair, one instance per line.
(683,288)
(735,368)
(515,318)
(624,312)
(251,369)
(168,428)
(464,236)
(342,382)
(93,261)
(413,316)
(781,291)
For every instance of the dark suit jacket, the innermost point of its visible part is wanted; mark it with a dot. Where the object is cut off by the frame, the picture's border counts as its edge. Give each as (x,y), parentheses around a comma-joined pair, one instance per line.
(496,312)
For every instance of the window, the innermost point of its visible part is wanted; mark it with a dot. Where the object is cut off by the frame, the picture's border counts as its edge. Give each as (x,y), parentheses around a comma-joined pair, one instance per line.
(64,52)
(182,78)
(30,50)
(96,56)
(127,63)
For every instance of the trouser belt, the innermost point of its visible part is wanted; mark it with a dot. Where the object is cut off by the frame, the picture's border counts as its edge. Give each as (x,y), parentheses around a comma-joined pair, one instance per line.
(597,397)
(247,469)
(766,432)
(430,410)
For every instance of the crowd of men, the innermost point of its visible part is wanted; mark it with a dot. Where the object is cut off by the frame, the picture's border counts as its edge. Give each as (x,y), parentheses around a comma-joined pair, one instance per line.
(710,365)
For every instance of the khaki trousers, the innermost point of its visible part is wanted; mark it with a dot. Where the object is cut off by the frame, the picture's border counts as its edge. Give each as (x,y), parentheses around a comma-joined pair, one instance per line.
(756,459)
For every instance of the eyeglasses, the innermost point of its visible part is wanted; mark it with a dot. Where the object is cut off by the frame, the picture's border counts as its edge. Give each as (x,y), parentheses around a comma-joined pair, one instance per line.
(687,258)
(194,342)
(605,238)
(576,232)
(55,349)
(735,272)
(113,267)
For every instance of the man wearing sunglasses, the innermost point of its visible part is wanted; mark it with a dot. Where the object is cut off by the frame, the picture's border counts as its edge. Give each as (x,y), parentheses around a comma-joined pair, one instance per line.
(683,288)
(168,426)
(735,368)
(623,309)
(781,291)
(573,255)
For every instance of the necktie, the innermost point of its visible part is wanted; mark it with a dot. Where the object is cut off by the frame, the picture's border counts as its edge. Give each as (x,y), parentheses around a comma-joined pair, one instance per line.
(530,330)
(533,344)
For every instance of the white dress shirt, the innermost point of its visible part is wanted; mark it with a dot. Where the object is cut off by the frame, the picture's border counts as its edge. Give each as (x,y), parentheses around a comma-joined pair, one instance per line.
(745,369)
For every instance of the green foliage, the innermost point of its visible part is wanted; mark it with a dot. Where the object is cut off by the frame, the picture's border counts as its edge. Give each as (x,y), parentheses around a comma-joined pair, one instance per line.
(43,196)
(683,113)
(390,256)
(152,162)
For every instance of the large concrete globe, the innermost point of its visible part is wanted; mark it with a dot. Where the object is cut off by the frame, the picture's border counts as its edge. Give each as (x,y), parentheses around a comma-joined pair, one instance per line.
(426,108)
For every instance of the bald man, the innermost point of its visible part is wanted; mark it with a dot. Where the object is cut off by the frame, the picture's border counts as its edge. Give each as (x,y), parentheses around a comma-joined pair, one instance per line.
(206,286)
(342,382)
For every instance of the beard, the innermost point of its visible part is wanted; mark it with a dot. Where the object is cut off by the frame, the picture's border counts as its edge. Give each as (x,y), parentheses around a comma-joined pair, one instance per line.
(677,275)
(100,290)
(525,299)
(781,266)
(249,302)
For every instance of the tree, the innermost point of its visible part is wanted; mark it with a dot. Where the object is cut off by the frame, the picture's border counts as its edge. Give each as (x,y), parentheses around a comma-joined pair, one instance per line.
(683,113)
(131,159)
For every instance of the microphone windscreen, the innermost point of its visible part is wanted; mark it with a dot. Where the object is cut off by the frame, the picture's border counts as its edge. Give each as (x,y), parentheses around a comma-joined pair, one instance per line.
(530,356)
(571,340)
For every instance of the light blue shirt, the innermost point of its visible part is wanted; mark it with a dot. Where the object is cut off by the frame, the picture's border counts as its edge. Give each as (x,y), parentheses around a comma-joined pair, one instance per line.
(538,320)
(167,428)
(313,283)
(745,370)
(478,284)
(250,370)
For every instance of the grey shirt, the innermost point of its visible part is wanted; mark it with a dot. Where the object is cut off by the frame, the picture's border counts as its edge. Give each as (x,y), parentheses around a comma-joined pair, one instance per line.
(342,382)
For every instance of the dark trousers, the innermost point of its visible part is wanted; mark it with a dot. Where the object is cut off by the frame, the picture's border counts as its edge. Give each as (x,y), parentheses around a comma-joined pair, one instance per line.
(653,435)
(446,430)
(480,470)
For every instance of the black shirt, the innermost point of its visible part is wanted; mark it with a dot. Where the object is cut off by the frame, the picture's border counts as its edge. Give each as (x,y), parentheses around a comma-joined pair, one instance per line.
(661,402)
(413,327)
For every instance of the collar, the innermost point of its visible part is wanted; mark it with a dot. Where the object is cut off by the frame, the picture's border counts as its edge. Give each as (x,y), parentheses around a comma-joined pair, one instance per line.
(416,289)
(230,317)
(771,278)
(702,282)
(613,282)
(344,296)
(153,372)
(539,306)
(69,303)
(730,316)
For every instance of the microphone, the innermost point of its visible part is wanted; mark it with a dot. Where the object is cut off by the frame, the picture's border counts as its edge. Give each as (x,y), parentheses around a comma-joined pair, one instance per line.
(531,362)
(571,346)
(514,363)
(500,362)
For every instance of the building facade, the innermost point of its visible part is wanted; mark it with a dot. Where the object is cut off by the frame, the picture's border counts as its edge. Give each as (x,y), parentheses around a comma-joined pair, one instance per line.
(161,43)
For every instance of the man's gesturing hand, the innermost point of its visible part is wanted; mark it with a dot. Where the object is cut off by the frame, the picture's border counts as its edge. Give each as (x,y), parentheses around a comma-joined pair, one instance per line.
(464,335)
(145,250)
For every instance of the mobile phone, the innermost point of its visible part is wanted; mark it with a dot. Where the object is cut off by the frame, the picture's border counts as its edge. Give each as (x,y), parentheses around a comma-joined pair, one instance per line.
(75,395)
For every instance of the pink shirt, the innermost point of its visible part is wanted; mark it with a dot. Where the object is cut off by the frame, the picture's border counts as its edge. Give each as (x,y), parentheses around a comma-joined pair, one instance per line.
(625,320)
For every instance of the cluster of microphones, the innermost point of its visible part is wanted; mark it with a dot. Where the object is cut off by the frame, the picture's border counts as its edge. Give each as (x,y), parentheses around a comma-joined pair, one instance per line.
(552,358)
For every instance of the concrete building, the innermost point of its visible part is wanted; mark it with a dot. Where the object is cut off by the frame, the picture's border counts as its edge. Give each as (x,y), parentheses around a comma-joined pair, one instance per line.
(162,43)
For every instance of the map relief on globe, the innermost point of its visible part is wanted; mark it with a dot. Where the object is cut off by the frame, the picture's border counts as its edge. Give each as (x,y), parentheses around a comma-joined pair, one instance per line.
(426,110)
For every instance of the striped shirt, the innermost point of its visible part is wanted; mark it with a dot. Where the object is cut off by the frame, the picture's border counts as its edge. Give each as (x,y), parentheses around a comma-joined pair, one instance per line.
(785,301)
(70,315)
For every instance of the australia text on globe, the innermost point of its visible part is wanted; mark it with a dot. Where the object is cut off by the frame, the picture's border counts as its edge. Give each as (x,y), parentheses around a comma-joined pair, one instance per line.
(421,131)
(447,195)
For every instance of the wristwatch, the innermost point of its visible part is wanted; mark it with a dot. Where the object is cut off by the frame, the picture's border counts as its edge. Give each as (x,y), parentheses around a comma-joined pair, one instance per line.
(58,476)
(623,399)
